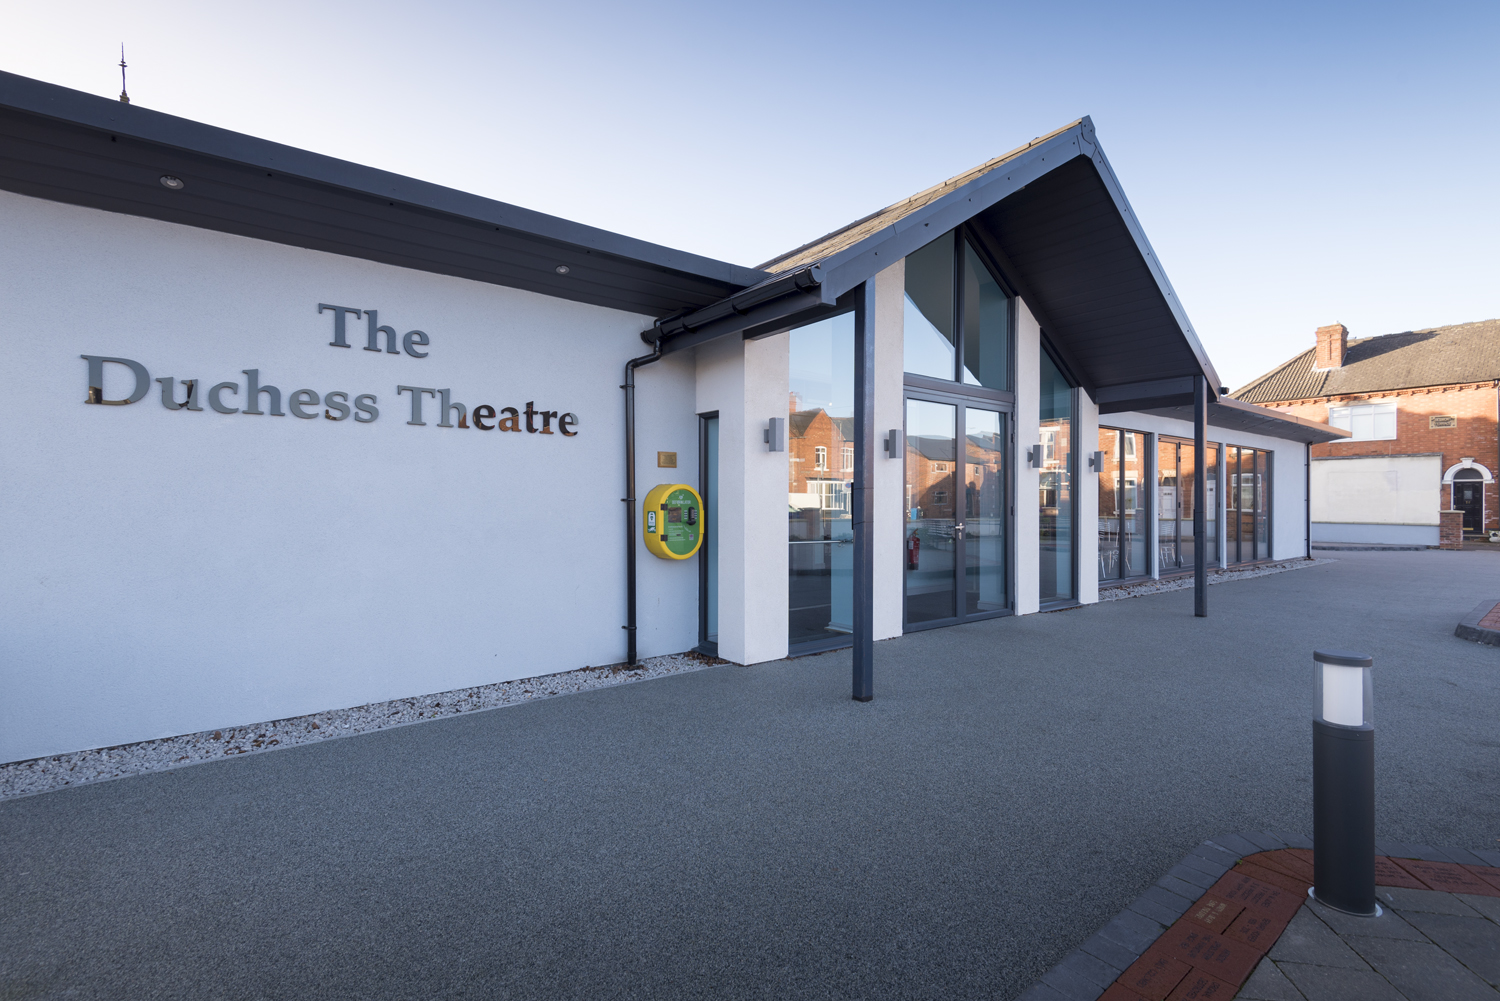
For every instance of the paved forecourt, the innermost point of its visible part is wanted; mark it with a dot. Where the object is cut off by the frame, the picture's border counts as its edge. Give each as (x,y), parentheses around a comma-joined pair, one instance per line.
(750,832)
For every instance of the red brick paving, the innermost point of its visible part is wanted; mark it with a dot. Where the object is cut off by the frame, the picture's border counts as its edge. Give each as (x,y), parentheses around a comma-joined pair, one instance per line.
(1198,986)
(1388,873)
(1213,948)
(1447,876)
(1491,619)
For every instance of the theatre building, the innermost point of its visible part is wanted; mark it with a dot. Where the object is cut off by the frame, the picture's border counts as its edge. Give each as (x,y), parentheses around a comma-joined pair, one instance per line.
(287,434)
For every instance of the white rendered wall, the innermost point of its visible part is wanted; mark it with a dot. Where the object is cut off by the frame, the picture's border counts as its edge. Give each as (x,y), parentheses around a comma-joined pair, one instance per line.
(1088,500)
(1288,475)
(890,472)
(176,571)
(746,382)
(1378,490)
(1028,434)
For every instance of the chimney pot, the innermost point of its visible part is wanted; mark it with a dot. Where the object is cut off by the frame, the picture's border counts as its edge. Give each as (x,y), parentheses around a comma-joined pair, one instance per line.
(1333,341)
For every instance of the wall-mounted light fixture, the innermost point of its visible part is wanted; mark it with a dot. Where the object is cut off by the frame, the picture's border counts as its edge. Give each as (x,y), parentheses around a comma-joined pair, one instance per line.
(1034,456)
(1096,461)
(775,435)
(893,443)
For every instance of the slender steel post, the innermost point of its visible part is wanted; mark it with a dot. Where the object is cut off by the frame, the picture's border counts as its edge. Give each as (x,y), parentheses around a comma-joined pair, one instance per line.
(862,501)
(1200,496)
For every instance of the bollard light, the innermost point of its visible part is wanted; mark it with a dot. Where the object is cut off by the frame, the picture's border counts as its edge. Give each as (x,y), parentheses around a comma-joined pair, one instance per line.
(1344,782)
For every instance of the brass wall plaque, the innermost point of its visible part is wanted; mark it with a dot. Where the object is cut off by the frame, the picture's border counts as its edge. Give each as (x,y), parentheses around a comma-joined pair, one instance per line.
(1443,421)
(666,460)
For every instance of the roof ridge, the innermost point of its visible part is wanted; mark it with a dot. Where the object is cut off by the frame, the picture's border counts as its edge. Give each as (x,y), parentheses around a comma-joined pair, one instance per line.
(957,180)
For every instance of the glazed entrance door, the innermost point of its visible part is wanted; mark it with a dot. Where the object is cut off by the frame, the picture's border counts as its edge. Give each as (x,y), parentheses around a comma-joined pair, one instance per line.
(955,558)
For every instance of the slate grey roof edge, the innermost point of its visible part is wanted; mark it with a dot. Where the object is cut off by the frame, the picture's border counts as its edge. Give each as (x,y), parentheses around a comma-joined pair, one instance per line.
(1045,988)
(78,108)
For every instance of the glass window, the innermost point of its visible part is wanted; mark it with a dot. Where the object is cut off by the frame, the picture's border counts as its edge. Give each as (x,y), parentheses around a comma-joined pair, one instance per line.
(1055,486)
(1168,507)
(820,420)
(1366,421)
(931,521)
(930,338)
(1122,514)
(984,511)
(1262,511)
(1176,487)
(986,326)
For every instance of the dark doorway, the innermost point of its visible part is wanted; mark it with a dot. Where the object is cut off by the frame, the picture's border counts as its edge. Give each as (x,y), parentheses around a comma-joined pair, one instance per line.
(1468,497)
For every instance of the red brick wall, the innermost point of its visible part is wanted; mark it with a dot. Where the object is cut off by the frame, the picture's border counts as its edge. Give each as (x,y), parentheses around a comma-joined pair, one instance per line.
(1476,435)
(1451,531)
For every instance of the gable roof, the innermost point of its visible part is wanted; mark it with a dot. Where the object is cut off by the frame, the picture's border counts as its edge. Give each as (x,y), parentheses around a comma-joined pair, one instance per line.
(1437,356)
(68,146)
(1053,219)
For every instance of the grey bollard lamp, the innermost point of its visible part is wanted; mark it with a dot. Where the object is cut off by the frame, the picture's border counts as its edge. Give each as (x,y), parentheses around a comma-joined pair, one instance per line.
(1344,783)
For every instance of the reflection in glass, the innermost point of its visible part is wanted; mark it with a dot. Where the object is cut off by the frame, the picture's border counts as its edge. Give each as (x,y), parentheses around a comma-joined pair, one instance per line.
(1168,505)
(984,511)
(929,336)
(1262,522)
(1055,489)
(1211,512)
(1122,514)
(986,326)
(710,552)
(820,420)
(931,503)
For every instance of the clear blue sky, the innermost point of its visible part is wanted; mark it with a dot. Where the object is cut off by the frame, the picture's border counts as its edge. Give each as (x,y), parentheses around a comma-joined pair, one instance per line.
(1294,164)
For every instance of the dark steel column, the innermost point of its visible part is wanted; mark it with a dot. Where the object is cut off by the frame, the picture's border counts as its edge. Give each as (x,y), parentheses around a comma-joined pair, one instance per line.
(862,501)
(1200,496)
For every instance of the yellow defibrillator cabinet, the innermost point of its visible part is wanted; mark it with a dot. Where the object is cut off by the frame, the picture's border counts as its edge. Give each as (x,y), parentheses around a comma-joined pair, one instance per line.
(674,521)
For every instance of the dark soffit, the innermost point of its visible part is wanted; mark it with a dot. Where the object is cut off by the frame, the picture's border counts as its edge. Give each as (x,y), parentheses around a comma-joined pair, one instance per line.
(68,146)
(1234,415)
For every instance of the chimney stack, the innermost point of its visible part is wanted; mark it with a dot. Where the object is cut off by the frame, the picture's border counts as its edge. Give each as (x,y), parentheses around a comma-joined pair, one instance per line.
(1333,341)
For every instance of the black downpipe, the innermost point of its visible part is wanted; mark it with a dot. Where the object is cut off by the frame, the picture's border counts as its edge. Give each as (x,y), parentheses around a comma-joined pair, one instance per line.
(629,499)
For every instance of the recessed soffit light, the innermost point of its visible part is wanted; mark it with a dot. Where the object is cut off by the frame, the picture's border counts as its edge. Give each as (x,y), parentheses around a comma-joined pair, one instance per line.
(562,269)
(174,183)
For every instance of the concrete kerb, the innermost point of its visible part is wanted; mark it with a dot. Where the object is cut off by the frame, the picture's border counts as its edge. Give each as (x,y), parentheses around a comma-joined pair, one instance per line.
(1469,627)
(1127,936)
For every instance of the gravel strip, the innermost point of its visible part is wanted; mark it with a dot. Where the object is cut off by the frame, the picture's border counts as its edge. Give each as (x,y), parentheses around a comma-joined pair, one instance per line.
(26,778)
(1119,591)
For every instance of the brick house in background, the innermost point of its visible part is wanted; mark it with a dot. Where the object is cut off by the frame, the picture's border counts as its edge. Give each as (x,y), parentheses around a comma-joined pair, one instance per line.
(1424,409)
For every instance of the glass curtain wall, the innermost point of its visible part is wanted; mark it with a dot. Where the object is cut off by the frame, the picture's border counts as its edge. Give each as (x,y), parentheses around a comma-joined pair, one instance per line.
(1055,488)
(1248,505)
(931,508)
(1175,492)
(820,421)
(984,512)
(946,268)
(1123,538)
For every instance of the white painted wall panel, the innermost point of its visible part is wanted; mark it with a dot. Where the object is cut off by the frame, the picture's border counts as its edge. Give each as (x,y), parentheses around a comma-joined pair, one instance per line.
(1028,433)
(176,571)
(890,472)
(1378,489)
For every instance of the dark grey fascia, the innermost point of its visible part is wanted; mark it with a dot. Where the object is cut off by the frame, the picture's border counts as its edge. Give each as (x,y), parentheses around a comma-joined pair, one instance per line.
(65,145)
(1235,415)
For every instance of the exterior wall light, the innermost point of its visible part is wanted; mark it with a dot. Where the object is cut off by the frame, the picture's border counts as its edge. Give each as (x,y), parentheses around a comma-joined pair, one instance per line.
(174,183)
(775,435)
(1344,782)
(893,443)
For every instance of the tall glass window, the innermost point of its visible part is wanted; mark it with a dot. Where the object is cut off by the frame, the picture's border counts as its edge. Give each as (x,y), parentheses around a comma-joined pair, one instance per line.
(956,311)
(1248,537)
(986,326)
(984,511)
(820,420)
(1055,487)
(1123,538)
(930,340)
(1176,486)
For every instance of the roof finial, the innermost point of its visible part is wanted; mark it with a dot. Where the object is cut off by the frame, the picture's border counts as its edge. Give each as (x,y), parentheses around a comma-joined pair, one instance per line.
(124,97)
